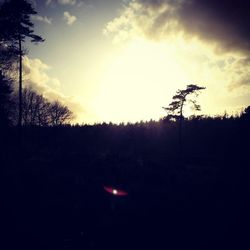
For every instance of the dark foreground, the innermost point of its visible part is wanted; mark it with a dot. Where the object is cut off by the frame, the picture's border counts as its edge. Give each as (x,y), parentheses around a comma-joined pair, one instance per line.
(55,199)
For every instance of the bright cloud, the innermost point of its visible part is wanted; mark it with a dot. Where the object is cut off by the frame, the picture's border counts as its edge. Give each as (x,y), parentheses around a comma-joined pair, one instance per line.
(36,77)
(70,19)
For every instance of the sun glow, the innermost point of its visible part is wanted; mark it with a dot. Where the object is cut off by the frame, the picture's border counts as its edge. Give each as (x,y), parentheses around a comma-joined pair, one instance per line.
(138,82)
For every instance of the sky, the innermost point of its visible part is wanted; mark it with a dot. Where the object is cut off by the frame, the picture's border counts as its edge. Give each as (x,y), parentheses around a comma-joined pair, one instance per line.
(123,60)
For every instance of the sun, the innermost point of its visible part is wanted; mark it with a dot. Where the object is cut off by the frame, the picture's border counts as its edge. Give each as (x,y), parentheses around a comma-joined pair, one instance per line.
(138,82)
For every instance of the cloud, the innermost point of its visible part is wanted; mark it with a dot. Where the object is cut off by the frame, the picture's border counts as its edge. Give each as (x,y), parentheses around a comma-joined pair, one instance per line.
(67,2)
(36,77)
(43,19)
(222,25)
(72,3)
(48,2)
(62,2)
(70,19)
(223,22)
(239,73)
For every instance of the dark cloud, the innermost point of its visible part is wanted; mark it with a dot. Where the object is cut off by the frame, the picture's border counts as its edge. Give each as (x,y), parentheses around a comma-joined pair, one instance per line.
(223,25)
(225,22)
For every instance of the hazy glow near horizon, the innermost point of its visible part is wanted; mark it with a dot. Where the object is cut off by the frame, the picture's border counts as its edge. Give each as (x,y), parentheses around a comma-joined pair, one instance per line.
(138,82)
(144,75)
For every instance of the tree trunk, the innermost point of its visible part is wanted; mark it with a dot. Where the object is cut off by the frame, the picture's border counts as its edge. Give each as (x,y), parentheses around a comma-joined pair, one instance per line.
(20,106)
(180,131)
(20,114)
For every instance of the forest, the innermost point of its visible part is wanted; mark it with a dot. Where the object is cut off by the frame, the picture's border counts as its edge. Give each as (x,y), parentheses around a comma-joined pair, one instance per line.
(185,180)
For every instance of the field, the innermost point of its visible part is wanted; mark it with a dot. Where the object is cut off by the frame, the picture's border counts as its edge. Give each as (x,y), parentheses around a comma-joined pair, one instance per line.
(53,195)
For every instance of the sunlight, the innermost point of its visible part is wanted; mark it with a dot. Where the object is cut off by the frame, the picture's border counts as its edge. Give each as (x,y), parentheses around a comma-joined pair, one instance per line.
(139,81)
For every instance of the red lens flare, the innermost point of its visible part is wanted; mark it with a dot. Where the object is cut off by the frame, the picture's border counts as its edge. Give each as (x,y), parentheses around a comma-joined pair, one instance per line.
(114,191)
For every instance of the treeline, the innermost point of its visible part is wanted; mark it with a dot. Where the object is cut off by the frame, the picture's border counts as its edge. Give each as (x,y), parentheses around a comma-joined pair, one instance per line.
(209,137)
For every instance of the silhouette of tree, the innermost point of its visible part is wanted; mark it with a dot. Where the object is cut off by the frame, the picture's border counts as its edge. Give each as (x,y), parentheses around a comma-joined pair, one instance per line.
(59,114)
(16,26)
(175,108)
(8,55)
(35,108)
(8,51)
(5,100)
(246,114)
